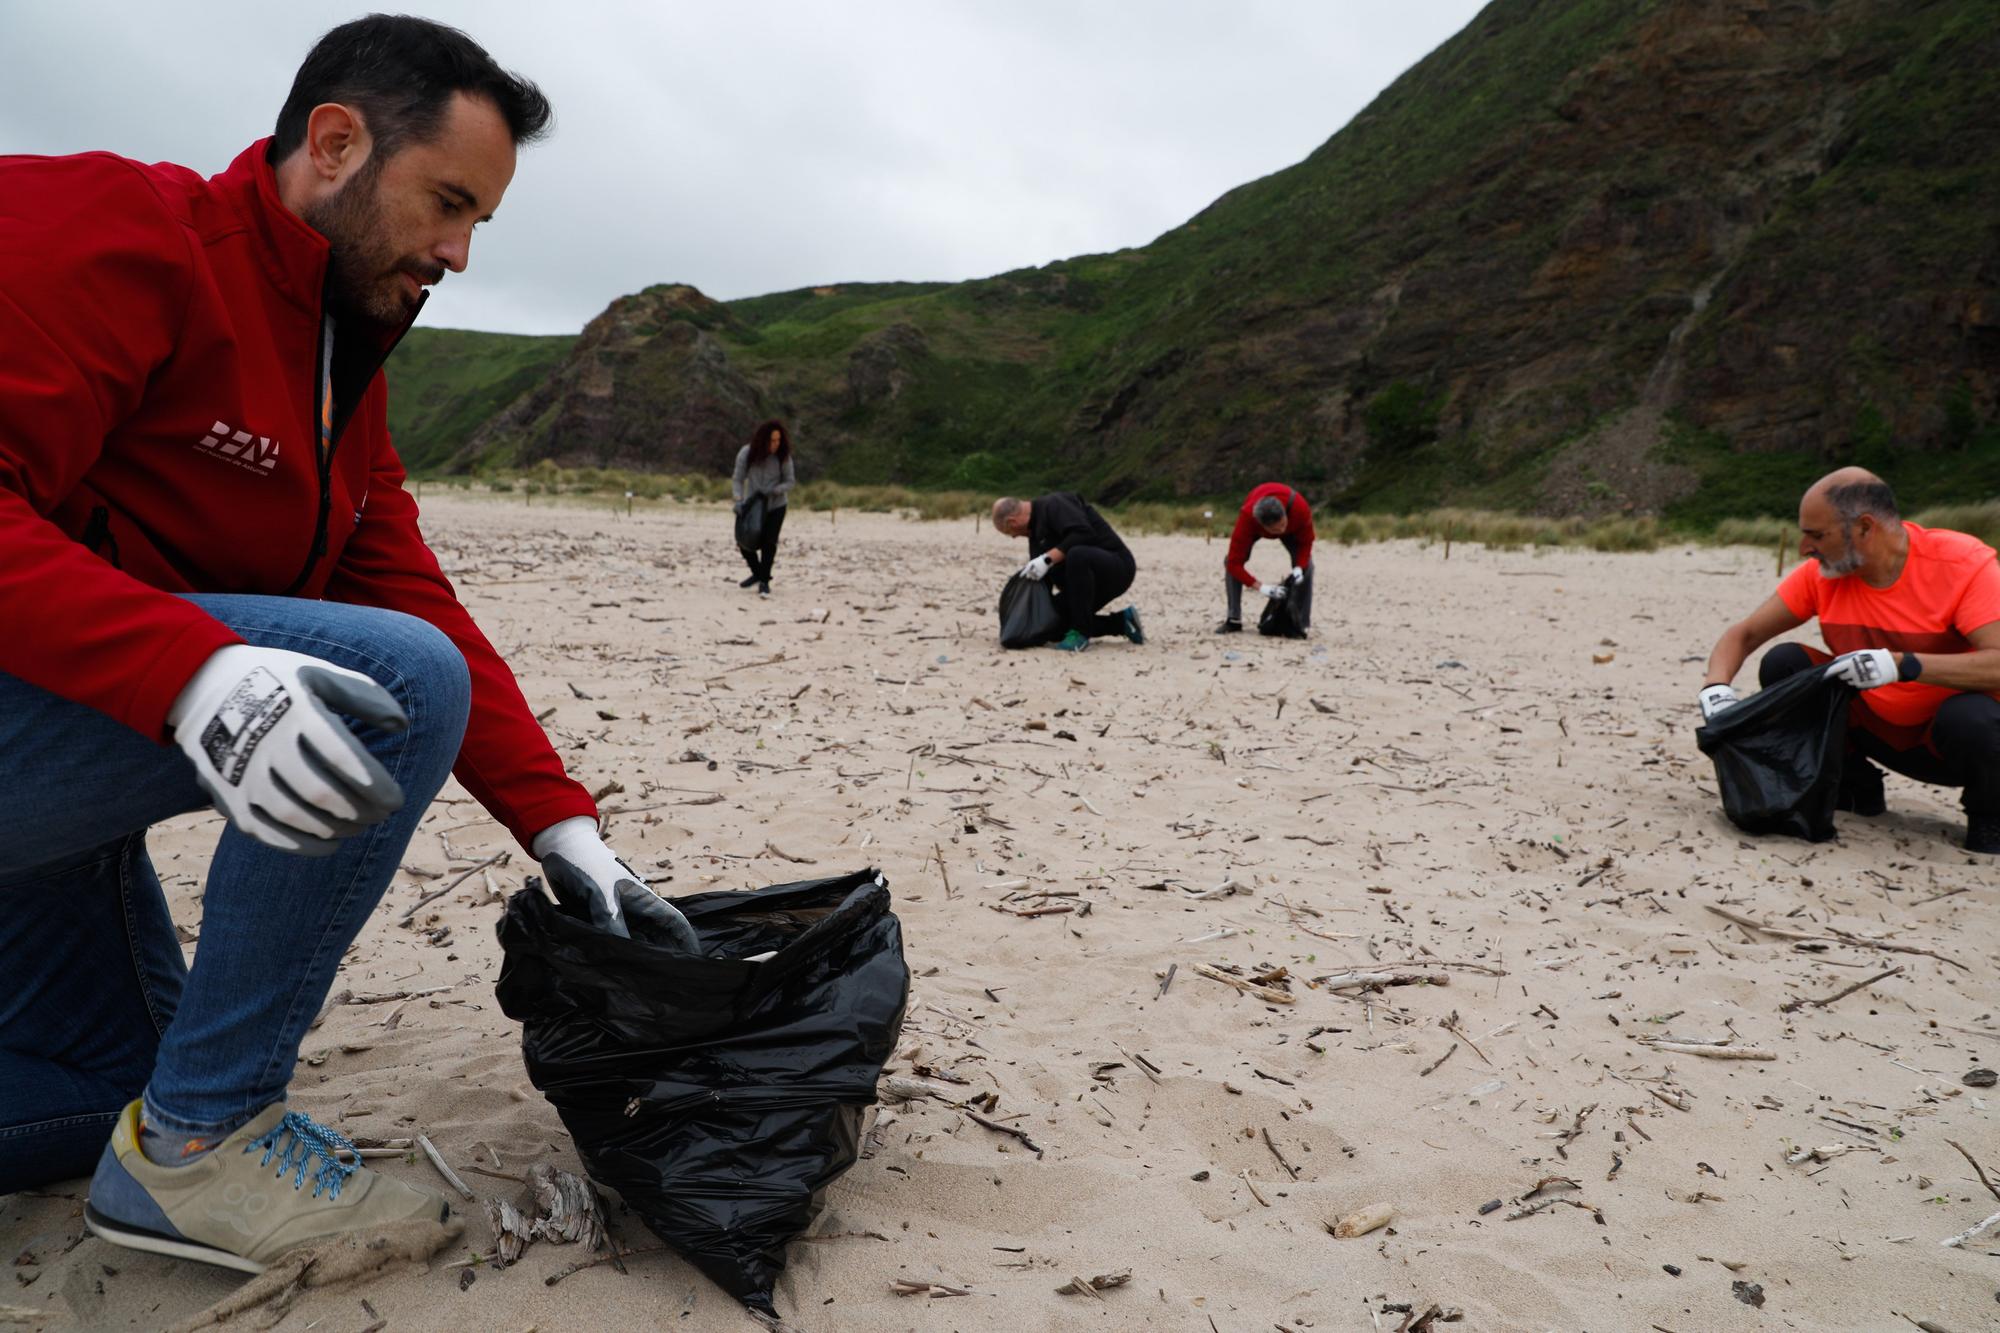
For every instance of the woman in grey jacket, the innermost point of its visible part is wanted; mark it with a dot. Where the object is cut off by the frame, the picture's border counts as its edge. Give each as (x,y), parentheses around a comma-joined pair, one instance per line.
(763,472)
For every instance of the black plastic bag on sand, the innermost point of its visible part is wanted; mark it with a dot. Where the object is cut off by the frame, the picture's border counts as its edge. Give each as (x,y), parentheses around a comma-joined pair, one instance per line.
(749,524)
(1028,614)
(1280,619)
(717,1095)
(1779,753)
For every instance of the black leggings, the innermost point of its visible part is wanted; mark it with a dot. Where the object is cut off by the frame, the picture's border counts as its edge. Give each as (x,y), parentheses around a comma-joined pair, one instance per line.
(1090,576)
(1960,749)
(760,559)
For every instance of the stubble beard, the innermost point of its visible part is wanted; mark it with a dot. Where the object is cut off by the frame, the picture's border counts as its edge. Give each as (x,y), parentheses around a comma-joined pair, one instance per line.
(360,273)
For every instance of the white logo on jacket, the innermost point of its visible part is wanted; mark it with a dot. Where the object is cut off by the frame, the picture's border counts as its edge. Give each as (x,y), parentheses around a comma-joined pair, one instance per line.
(256,453)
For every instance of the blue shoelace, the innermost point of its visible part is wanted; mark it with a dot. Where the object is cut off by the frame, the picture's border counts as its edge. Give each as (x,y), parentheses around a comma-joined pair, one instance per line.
(305,1142)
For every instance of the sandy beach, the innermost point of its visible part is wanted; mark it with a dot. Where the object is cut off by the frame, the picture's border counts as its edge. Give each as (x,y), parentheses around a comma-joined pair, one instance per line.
(1479,773)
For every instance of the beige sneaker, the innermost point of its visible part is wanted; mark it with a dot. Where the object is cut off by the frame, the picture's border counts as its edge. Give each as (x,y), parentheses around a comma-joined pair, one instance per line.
(275,1184)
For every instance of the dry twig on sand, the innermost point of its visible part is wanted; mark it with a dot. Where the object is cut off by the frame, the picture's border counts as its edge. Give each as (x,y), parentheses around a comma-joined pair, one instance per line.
(1794,1005)
(1078,1286)
(1712,1050)
(437,1160)
(1008,1130)
(1268,994)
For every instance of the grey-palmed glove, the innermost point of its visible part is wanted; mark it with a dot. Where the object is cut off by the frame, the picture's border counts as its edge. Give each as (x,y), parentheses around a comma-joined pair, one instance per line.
(577,861)
(1715,698)
(1275,591)
(258,725)
(1037,569)
(1296,577)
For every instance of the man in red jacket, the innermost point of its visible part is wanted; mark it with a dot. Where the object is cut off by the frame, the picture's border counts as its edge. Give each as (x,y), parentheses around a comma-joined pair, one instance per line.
(215,592)
(1276,511)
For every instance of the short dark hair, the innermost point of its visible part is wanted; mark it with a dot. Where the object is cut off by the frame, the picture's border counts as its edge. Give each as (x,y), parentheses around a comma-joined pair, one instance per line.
(1863,497)
(762,436)
(400,72)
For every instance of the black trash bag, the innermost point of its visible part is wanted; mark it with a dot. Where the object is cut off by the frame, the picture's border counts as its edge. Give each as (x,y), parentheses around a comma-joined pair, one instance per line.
(718,1096)
(1029,616)
(749,524)
(1280,619)
(1779,753)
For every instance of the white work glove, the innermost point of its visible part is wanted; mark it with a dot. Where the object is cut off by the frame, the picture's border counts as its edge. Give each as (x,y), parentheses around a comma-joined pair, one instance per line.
(1296,577)
(579,864)
(1715,698)
(257,726)
(1864,670)
(1275,591)
(1037,568)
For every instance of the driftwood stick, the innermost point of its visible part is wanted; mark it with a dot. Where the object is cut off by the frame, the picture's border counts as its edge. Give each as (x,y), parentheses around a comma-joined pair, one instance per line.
(1443,962)
(784,855)
(1266,993)
(1290,1170)
(1793,1005)
(1432,1067)
(437,1160)
(614,1257)
(1350,980)
(1008,1130)
(1781,932)
(497,859)
(1077,1286)
(1970,1232)
(1713,1052)
(387,997)
(1991,1188)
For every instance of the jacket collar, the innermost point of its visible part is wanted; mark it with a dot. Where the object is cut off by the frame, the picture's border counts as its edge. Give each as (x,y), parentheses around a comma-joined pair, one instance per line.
(292,254)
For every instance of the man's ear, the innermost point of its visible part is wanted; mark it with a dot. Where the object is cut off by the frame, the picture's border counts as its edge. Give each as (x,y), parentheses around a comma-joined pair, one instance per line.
(337,141)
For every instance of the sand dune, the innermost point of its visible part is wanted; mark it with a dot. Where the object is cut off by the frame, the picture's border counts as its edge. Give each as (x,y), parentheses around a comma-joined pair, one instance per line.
(1441,781)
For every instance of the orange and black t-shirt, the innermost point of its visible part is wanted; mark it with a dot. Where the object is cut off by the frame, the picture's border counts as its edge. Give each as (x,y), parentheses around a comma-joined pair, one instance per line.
(1949,587)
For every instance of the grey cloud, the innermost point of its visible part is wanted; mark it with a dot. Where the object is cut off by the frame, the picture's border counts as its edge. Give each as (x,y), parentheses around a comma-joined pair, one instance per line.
(756,148)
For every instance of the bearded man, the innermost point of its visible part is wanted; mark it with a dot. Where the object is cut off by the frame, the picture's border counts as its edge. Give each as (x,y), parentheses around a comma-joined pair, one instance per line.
(215,593)
(1914,616)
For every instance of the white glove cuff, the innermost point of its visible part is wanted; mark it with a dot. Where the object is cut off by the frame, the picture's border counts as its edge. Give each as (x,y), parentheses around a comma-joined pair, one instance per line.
(569,838)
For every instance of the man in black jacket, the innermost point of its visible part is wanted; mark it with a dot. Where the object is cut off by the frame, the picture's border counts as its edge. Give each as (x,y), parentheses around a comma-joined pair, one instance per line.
(1070,544)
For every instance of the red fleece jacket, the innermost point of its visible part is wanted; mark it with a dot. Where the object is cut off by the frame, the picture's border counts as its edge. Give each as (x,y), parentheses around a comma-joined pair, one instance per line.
(158,397)
(1297,538)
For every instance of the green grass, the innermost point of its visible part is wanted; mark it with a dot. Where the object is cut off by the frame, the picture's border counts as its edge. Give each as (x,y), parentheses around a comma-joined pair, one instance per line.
(445,383)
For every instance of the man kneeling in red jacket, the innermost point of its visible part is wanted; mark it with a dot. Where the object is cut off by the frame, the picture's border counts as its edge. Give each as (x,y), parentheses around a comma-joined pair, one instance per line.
(215,592)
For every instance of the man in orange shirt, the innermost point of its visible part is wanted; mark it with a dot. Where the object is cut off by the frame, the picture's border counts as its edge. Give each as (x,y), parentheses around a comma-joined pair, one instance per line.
(1914,614)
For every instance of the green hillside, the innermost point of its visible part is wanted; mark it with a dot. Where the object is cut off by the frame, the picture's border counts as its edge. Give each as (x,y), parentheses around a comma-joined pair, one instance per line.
(1589,256)
(446,383)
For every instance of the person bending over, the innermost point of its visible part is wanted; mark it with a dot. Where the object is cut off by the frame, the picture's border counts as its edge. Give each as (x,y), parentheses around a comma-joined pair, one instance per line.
(1276,511)
(219,596)
(1071,545)
(764,468)
(1914,616)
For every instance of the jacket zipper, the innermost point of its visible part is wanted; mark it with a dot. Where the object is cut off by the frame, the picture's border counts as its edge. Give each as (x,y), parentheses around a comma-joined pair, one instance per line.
(323,380)
(98,533)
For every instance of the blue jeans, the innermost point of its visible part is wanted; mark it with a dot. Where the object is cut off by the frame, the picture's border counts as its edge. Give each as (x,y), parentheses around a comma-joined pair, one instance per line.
(98,1007)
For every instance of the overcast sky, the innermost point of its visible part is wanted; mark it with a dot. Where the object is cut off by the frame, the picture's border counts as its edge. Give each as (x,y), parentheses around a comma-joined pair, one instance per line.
(750,148)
